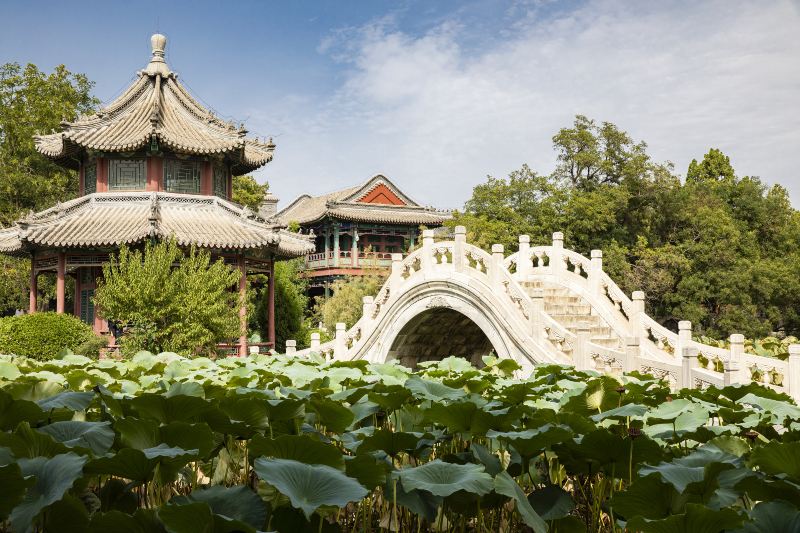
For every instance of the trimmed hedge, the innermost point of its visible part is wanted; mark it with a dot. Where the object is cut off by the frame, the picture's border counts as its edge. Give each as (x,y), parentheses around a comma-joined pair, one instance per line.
(42,335)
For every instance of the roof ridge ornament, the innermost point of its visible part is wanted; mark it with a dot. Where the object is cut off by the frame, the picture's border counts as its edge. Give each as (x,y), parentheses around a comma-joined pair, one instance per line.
(155,214)
(157,64)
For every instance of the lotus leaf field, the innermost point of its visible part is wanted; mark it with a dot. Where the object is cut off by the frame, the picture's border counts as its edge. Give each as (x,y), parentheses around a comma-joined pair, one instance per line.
(163,443)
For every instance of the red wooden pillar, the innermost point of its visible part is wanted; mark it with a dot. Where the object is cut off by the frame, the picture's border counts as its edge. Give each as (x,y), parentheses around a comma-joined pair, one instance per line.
(206,178)
(102,174)
(271,305)
(242,306)
(34,288)
(61,282)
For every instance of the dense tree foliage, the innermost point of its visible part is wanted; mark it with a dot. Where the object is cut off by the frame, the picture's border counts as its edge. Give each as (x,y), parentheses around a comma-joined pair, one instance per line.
(32,102)
(719,249)
(248,192)
(187,308)
(345,304)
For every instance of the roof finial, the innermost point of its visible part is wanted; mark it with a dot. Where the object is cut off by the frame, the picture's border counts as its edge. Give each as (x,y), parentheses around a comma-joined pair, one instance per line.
(157,64)
(159,43)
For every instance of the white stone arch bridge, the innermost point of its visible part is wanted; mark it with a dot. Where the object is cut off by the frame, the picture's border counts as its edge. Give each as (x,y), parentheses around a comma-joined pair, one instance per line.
(541,305)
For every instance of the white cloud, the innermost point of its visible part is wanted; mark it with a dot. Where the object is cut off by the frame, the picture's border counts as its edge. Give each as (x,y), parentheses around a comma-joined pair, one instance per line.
(437,112)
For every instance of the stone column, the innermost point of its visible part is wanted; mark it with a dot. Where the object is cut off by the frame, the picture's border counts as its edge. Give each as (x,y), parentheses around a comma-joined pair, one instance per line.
(397,269)
(427,249)
(34,286)
(635,320)
(497,264)
(61,281)
(631,354)
(557,260)
(367,306)
(291,346)
(242,306)
(581,351)
(733,366)
(596,271)
(339,345)
(336,245)
(315,341)
(684,336)
(793,379)
(460,239)
(537,308)
(524,257)
(271,305)
(688,364)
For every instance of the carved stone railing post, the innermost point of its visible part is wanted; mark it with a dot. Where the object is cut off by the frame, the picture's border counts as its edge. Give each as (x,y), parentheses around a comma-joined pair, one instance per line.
(397,269)
(291,346)
(684,336)
(524,263)
(733,366)
(637,313)
(688,364)
(631,362)
(315,341)
(557,260)
(583,336)
(460,238)
(368,306)
(427,249)
(596,271)
(535,317)
(497,264)
(793,379)
(339,343)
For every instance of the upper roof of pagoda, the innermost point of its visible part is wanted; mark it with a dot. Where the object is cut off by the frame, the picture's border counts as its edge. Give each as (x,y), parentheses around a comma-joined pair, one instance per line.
(156,106)
(377,200)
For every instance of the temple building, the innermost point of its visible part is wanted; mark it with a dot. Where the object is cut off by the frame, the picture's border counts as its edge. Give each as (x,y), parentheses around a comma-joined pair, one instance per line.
(153,165)
(356,229)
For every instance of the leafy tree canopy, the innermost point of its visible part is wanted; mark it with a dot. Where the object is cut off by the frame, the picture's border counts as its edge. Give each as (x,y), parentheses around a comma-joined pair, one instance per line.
(185,308)
(720,250)
(33,102)
(248,192)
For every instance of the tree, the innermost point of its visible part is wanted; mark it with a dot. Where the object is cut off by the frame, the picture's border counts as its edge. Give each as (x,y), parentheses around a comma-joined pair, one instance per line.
(32,102)
(346,302)
(590,155)
(248,192)
(720,250)
(187,308)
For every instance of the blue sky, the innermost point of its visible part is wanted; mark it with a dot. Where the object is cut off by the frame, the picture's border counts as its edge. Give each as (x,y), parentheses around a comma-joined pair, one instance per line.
(437,95)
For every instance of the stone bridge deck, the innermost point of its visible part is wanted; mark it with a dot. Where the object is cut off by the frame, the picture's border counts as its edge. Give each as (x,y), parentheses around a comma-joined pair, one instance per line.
(543,304)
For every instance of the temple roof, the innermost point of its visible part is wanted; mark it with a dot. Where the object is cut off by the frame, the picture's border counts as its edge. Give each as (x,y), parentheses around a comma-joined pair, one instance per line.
(102,220)
(377,200)
(156,106)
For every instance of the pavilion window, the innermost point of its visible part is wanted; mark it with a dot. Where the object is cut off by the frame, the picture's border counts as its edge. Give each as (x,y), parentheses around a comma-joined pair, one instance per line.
(182,176)
(90,178)
(126,174)
(220,181)
(87,297)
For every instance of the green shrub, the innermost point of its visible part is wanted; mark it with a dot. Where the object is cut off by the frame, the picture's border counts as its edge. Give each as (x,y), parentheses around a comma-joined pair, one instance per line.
(91,348)
(42,335)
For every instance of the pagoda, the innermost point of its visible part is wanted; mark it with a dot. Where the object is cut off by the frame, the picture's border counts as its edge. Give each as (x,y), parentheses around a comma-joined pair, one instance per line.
(357,229)
(153,165)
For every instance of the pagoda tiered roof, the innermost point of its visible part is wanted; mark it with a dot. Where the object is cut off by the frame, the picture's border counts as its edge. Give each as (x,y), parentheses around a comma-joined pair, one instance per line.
(109,220)
(156,107)
(378,200)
